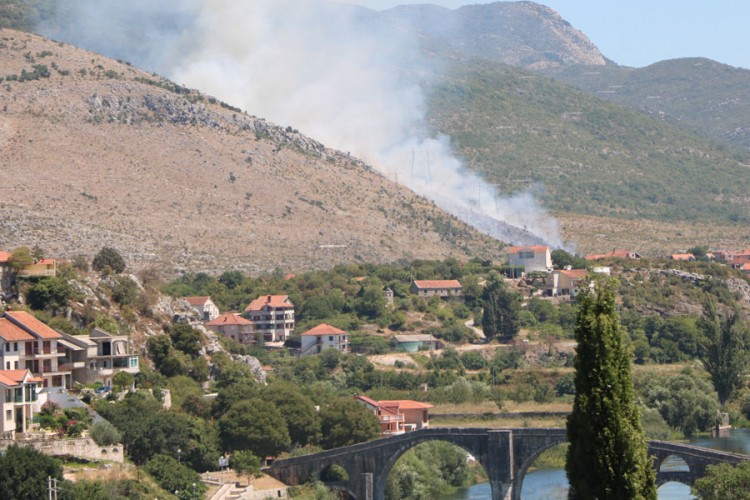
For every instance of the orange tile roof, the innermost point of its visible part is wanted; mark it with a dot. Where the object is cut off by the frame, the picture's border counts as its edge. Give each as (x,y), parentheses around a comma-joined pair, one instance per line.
(11,378)
(196,301)
(430,284)
(405,404)
(4,256)
(745,267)
(683,256)
(9,331)
(46,262)
(31,323)
(276,301)
(324,329)
(533,248)
(575,273)
(229,319)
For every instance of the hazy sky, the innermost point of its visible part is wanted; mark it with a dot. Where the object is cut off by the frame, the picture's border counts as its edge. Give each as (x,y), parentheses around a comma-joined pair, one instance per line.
(640,32)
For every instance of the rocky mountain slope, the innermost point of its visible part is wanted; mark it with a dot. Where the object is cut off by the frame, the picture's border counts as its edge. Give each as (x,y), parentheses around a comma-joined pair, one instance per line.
(524,34)
(95,153)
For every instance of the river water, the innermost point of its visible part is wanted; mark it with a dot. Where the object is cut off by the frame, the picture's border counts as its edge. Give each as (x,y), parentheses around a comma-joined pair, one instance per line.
(551,484)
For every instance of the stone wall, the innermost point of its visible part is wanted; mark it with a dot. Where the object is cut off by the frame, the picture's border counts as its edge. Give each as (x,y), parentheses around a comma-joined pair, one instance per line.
(77,447)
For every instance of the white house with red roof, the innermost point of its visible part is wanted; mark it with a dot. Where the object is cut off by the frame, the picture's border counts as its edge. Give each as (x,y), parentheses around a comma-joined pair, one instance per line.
(272,316)
(442,288)
(233,326)
(204,305)
(398,416)
(323,336)
(19,400)
(535,258)
(565,282)
(27,343)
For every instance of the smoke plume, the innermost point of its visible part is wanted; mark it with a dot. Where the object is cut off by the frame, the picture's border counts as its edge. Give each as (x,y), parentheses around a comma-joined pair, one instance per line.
(335,72)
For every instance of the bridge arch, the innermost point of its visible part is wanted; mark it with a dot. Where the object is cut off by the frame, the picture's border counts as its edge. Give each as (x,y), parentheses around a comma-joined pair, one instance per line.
(470,444)
(530,456)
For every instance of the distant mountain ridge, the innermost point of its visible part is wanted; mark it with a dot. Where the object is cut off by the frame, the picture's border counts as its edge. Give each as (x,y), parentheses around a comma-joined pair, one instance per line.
(524,34)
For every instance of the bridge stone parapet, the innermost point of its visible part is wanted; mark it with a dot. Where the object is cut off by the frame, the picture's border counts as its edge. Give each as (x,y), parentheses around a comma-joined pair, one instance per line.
(695,457)
(505,454)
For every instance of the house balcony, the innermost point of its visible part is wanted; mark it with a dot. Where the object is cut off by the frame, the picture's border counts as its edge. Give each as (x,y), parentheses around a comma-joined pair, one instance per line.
(69,366)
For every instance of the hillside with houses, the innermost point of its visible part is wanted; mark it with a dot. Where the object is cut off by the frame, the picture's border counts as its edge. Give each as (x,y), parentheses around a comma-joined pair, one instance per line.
(404,345)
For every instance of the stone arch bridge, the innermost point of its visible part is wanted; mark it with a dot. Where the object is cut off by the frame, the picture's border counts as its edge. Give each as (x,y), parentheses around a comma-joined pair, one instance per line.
(505,454)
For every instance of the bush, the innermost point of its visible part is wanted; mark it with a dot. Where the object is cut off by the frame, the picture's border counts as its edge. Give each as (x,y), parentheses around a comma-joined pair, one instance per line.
(173,476)
(105,434)
(110,258)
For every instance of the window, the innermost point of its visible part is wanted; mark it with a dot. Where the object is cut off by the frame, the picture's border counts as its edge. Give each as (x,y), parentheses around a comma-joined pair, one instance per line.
(15,363)
(15,346)
(8,396)
(330,338)
(7,365)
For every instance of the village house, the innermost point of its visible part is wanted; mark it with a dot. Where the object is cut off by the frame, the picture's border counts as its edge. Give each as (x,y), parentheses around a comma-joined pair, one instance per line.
(98,357)
(20,401)
(614,254)
(398,416)
(27,343)
(233,326)
(532,258)
(564,282)
(441,288)
(40,268)
(205,307)
(323,336)
(272,316)
(418,342)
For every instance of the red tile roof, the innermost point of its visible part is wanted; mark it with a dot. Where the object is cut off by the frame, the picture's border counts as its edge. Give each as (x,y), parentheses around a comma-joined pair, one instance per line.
(46,262)
(324,329)
(575,273)
(533,248)
(11,332)
(4,257)
(745,267)
(275,301)
(439,284)
(31,323)
(196,301)
(229,319)
(405,404)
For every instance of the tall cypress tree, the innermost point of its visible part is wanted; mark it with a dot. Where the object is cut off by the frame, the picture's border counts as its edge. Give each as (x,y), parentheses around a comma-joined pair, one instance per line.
(608,453)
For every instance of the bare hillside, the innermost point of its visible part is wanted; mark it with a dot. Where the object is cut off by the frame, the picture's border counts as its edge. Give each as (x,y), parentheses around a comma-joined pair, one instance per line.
(95,152)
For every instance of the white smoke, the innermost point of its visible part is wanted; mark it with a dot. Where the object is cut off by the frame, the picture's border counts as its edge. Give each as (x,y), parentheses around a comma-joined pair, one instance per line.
(336,74)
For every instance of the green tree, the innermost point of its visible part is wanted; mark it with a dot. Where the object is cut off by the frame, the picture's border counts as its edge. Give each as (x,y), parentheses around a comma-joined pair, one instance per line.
(122,380)
(104,434)
(20,258)
(51,293)
(187,339)
(108,257)
(561,259)
(344,421)
(175,477)
(723,349)
(724,482)
(255,425)
(685,402)
(24,472)
(607,457)
(299,411)
(501,307)
(245,462)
